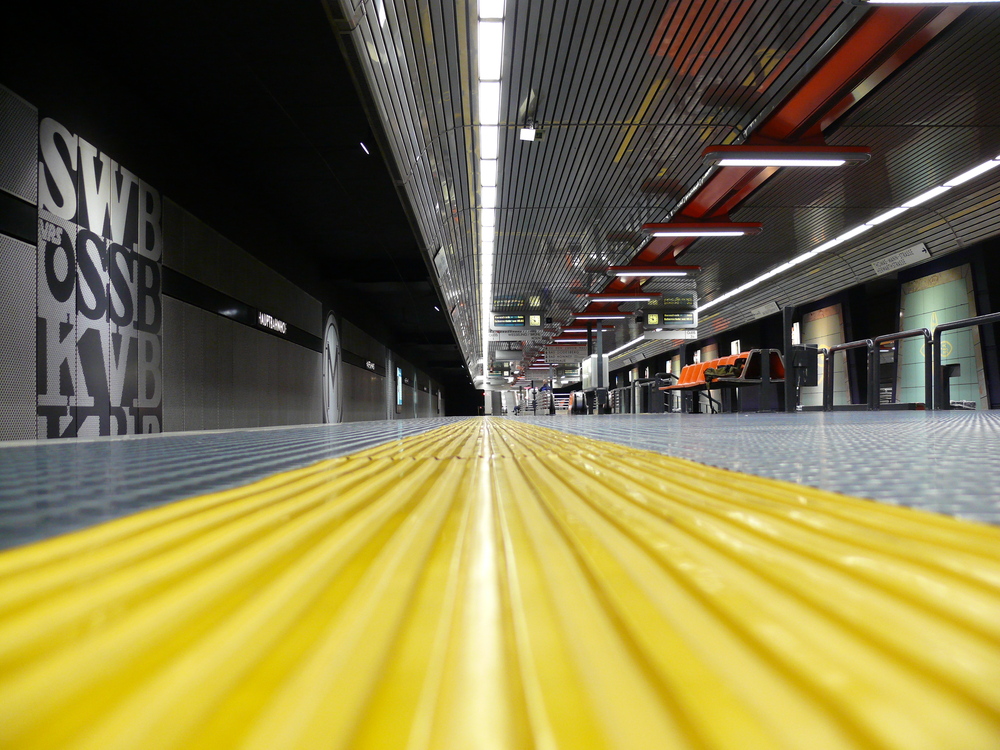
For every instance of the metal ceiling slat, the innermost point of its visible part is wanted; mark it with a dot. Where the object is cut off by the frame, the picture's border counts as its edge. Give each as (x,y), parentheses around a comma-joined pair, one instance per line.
(613,140)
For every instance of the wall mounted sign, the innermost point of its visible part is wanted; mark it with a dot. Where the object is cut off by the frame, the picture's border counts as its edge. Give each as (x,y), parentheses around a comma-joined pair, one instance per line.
(264,320)
(333,403)
(99,293)
(762,311)
(356,360)
(914,254)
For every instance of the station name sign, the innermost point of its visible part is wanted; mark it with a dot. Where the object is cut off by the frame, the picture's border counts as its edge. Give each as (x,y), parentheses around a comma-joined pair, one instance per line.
(270,322)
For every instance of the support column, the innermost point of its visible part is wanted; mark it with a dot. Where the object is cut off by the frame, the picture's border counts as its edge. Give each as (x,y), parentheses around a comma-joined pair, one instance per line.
(787,319)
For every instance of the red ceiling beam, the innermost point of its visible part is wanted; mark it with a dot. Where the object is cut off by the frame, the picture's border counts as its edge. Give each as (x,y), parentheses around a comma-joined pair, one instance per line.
(878,46)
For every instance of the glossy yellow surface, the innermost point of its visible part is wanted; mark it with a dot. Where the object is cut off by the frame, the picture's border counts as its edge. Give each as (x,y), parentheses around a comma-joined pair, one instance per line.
(493,584)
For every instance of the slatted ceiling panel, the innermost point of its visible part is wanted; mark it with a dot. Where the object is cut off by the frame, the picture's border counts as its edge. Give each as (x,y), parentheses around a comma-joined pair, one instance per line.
(910,156)
(621,107)
(626,178)
(939,75)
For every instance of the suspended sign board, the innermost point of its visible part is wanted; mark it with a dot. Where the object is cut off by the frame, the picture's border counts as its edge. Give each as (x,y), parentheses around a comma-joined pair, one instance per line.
(679,319)
(507,356)
(523,334)
(565,354)
(681,333)
(682,299)
(509,320)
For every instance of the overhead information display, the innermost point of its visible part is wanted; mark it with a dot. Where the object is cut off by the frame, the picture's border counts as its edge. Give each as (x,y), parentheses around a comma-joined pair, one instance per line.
(682,299)
(679,319)
(508,320)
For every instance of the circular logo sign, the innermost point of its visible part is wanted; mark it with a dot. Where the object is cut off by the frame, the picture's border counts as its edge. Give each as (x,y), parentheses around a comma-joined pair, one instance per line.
(332,399)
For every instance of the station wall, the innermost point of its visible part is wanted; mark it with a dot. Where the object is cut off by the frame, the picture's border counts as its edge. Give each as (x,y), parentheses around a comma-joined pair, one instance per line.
(125,313)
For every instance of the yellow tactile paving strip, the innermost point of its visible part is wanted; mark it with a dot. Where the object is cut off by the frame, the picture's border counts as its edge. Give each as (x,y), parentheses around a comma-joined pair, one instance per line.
(492,584)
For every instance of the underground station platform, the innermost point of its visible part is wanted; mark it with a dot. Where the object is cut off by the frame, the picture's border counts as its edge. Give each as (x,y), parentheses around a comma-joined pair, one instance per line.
(656,581)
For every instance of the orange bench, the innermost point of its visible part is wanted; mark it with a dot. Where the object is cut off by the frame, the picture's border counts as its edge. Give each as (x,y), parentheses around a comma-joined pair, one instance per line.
(692,377)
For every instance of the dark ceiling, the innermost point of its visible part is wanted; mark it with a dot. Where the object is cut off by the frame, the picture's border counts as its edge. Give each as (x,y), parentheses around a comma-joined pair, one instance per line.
(246,114)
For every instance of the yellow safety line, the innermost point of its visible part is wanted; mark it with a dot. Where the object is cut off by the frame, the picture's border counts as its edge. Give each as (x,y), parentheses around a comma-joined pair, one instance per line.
(495,584)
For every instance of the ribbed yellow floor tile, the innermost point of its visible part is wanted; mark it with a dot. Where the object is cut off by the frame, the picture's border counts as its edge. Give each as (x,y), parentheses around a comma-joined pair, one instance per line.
(493,584)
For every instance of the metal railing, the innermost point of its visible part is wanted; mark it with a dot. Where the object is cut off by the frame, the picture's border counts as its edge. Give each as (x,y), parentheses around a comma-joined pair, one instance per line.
(938,369)
(873,365)
(828,367)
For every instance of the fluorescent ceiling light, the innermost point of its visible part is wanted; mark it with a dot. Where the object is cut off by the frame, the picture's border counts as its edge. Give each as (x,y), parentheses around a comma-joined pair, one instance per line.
(488,172)
(924,197)
(974,172)
(527,134)
(488,234)
(489,102)
(639,272)
(584,330)
(602,316)
(491,8)
(702,229)
(490,50)
(886,216)
(634,298)
(488,197)
(487,249)
(828,244)
(784,156)
(853,232)
(569,341)
(625,346)
(700,233)
(489,141)
(735,162)
(929,2)
(488,217)
(365,147)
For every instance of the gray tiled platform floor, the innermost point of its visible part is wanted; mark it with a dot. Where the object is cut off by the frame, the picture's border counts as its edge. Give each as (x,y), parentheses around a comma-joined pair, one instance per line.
(51,487)
(948,462)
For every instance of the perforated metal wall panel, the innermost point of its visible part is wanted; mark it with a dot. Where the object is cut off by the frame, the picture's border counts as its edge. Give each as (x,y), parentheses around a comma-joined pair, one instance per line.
(364,394)
(220,374)
(196,250)
(17,340)
(18,146)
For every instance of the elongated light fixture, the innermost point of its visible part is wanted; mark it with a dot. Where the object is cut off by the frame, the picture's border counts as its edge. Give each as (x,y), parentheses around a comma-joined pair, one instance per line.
(603,316)
(623,296)
(489,58)
(702,229)
(784,156)
(625,272)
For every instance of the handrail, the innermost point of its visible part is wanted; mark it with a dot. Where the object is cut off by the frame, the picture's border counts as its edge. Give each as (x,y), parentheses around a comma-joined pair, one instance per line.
(938,371)
(873,366)
(828,369)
